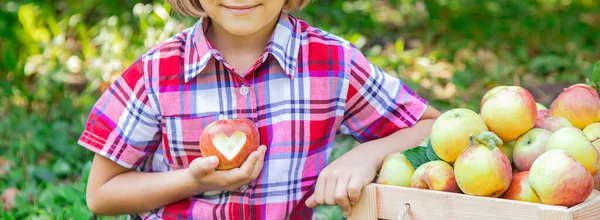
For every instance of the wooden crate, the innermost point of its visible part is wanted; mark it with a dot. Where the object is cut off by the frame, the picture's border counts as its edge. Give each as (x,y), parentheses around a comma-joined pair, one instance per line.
(388,202)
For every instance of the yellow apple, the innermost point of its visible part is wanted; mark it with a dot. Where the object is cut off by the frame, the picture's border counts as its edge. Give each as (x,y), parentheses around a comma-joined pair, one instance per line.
(509,112)
(450,132)
(592,132)
(483,169)
(577,144)
(396,170)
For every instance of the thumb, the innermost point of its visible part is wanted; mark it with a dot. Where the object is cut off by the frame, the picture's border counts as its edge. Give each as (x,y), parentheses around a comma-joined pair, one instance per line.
(204,165)
(310,202)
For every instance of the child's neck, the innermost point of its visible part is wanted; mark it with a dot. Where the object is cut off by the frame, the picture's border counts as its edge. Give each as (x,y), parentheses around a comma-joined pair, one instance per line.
(241,51)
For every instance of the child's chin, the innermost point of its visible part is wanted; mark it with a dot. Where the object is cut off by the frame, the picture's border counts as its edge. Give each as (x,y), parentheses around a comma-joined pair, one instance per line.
(243,28)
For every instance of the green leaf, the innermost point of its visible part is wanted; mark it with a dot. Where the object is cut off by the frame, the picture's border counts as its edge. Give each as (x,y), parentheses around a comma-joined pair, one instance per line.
(416,156)
(431,155)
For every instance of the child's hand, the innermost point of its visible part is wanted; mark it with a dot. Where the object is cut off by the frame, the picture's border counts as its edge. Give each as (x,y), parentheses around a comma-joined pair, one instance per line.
(203,171)
(341,182)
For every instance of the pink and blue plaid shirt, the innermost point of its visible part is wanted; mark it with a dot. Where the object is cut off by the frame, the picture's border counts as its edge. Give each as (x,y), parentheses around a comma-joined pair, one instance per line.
(307,87)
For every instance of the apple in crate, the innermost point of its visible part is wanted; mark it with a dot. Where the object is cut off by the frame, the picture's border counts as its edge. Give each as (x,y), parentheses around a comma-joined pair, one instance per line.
(450,132)
(395,170)
(508,111)
(592,131)
(520,190)
(553,123)
(483,169)
(580,104)
(231,140)
(529,147)
(558,179)
(435,175)
(577,144)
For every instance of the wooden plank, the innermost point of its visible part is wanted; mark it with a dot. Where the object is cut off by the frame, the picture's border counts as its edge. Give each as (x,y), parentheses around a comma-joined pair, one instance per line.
(589,210)
(428,204)
(366,207)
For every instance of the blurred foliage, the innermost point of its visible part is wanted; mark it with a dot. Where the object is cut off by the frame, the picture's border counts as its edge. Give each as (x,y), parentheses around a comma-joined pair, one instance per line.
(57,56)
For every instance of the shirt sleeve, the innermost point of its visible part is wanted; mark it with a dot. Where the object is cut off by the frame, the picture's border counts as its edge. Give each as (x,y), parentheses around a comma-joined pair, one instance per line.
(123,125)
(377,103)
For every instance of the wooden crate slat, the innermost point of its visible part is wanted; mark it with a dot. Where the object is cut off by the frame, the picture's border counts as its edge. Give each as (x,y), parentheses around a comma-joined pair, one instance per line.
(387,202)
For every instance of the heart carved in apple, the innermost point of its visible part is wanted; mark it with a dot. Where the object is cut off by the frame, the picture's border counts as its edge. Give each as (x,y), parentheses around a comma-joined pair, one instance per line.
(231,140)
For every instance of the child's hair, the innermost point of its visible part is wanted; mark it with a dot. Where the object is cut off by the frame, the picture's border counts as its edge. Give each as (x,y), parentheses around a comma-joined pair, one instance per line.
(193,7)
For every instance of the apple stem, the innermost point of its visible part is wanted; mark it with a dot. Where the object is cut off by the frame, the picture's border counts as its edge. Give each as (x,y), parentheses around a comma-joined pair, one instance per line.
(598,138)
(489,139)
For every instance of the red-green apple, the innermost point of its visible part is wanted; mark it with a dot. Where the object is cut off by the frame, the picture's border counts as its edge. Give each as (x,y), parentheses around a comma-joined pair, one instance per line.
(558,179)
(577,144)
(231,140)
(450,132)
(580,104)
(592,132)
(520,190)
(396,170)
(435,175)
(553,123)
(509,112)
(529,147)
(482,169)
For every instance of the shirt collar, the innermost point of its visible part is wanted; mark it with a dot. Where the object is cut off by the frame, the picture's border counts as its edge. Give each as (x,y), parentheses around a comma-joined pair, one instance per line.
(284,45)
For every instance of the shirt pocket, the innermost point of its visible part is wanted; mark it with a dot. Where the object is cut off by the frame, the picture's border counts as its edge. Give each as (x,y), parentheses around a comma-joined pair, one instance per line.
(182,138)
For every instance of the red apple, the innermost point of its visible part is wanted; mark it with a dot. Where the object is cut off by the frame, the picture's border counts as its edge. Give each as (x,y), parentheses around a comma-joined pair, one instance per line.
(553,123)
(541,114)
(520,190)
(529,147)
(435,175)
(509,111)
(231,140)
(558,179)
(580,104)
(542,111)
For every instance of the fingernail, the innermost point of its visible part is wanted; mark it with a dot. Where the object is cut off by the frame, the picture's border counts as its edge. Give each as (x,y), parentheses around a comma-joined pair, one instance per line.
(345,213)
(213,160)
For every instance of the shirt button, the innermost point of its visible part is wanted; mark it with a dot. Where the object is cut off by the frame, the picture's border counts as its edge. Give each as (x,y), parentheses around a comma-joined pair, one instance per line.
(244,90)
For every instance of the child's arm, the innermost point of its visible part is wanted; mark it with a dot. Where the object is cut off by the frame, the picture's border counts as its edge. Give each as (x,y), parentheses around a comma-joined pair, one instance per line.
(114,190)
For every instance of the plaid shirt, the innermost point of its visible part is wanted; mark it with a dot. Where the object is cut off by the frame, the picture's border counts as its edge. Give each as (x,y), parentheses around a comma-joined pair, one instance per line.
(307,87)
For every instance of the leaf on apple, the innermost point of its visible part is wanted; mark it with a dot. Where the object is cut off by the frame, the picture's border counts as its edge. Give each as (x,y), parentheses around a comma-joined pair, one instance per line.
(430,152)
(416,156)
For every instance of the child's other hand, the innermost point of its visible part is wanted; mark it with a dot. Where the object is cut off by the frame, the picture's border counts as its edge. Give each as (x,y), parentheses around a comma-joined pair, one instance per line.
(341,182)
(209,179)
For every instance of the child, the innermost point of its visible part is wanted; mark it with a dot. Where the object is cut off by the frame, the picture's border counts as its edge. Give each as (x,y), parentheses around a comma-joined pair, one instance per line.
(246,59)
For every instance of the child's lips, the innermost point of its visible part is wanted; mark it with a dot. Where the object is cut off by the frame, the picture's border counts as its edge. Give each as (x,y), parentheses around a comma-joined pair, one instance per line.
(241,10)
